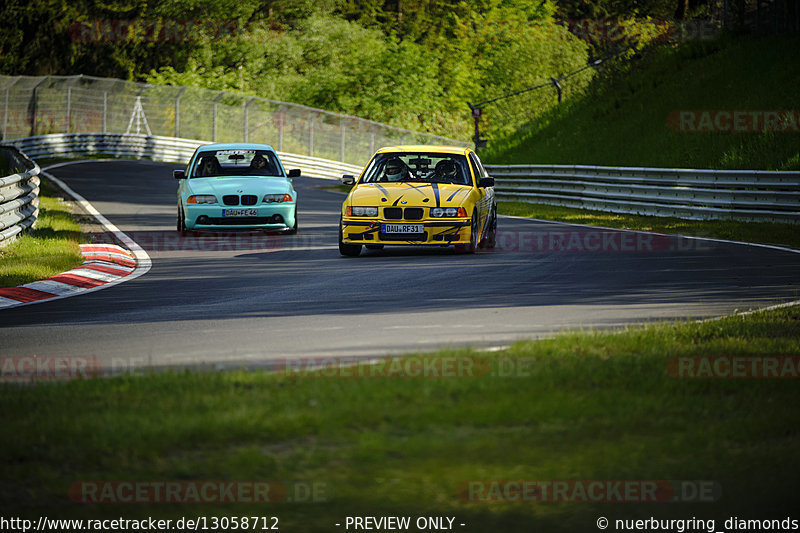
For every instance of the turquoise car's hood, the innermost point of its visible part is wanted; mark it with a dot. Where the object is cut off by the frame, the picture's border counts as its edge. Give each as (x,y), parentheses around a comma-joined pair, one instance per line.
(235,185)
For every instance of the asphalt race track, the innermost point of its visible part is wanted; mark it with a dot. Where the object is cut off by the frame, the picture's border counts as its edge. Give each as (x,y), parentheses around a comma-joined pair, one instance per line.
(247,299)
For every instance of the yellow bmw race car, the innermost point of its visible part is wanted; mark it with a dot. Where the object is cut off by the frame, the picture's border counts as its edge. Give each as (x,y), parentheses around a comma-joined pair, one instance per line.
(419,195)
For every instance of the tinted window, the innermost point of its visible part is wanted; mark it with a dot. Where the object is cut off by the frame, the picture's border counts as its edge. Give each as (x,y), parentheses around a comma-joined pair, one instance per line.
(211,163)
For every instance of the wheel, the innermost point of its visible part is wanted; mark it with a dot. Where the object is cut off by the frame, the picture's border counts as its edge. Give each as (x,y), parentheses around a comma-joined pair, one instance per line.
(474,235)
(293,229)
(491,235)
(374,246)
(181,224)
(349,250)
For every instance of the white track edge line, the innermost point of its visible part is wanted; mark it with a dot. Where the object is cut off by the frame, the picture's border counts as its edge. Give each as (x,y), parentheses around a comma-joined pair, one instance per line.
(143,261)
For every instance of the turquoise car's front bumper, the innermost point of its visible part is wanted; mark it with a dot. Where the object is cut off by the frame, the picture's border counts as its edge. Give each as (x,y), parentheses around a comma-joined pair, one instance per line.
(275,216)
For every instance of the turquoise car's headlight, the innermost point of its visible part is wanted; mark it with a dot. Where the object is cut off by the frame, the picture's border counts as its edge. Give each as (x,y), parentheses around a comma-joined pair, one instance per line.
(362,211)
(438,212)
(272,198)
(202,199)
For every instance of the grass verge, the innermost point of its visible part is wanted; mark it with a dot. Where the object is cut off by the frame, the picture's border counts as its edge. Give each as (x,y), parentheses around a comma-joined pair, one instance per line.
(758,232)
(51,248)
(580,406)
(340,188)
(627,117)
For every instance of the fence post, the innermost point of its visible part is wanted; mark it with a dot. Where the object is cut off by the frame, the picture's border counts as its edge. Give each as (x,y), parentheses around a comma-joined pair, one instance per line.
(311,134)
(214,122)
(281,115)
(5,114)
(558,88)
(342,124)
(246,115)
(34,107)
(371,140)
(34,100)
(66,114)
(105,111)
(178,112)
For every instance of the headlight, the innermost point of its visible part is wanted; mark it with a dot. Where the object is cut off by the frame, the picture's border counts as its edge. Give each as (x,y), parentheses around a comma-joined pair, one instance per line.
(439,212)
(202,199)
(271,198)
(362,211)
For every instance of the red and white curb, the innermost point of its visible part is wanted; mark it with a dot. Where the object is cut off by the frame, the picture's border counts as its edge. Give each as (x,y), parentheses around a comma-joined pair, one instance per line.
(104,265)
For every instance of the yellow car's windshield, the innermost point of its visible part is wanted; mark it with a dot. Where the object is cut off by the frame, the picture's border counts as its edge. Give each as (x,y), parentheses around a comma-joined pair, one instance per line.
(418,167)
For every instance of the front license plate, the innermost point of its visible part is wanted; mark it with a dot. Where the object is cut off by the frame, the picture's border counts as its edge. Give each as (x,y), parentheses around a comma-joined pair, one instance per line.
(403,228)
(240,212)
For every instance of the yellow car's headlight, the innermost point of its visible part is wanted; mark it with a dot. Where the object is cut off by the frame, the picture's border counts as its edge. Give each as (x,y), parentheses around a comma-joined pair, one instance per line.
(362,211)
(440,212)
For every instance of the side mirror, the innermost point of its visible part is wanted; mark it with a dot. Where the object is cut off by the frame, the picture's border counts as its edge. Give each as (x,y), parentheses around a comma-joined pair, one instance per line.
(179,174)
(486,182)
(294,173)
(347,179)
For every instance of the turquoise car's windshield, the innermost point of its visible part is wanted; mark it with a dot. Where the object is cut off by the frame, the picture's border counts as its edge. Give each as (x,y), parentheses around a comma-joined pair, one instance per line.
(418,167)
(212,163)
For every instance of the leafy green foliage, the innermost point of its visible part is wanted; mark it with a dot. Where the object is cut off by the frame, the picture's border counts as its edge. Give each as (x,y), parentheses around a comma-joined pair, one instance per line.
(412,63)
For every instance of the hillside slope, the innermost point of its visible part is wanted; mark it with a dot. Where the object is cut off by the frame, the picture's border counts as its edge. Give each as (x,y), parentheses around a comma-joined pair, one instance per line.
(632,118)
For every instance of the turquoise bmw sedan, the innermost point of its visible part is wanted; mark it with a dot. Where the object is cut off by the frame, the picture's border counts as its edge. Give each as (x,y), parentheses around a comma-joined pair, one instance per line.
(236,185)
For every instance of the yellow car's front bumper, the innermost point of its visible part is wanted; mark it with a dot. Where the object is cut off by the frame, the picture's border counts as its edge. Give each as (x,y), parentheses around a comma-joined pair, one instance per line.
(377,231)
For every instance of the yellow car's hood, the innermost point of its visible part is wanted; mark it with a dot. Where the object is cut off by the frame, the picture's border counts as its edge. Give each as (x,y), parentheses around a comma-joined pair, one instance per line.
(409,194)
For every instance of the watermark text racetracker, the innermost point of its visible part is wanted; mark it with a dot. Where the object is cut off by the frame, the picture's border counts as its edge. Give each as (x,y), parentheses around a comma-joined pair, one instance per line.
(734,120)
(578,240)
(198,492)
(606,30)
(734,367)
(29,368)
(411,366)
(106,31)
(590,491)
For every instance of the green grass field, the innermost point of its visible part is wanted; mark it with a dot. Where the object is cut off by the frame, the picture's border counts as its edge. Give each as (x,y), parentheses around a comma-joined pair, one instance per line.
(580,406)
(51,248)
(623,119)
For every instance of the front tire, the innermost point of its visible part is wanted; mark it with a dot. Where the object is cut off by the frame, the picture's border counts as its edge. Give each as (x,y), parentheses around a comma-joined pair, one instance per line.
(490,240)
(348,250)
(474,235)
(293,229)
(181,224)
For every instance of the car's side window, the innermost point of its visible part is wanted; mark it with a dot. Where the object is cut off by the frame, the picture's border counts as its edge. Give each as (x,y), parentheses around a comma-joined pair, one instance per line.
(475,169)
(481,172)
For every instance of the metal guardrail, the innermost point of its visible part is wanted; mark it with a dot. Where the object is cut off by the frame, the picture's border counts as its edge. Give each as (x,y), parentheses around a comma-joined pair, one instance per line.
(19,194)
(166,149)
(684,193)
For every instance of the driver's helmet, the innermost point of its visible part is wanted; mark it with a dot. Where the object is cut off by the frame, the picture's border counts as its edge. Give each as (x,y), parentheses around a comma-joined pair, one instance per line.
(394,169)
(446,169)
